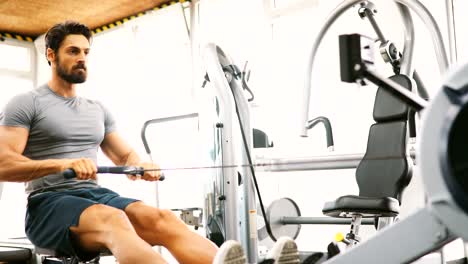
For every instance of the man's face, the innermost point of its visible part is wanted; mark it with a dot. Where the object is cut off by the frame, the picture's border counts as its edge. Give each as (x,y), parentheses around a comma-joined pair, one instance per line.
(71,58)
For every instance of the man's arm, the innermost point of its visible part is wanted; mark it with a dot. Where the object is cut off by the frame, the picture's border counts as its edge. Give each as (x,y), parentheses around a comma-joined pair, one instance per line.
(121,153)
(14,167)
(118,151)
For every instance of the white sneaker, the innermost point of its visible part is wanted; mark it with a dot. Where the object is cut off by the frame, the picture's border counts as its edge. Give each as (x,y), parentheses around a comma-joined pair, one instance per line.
(284,251)
(230,252)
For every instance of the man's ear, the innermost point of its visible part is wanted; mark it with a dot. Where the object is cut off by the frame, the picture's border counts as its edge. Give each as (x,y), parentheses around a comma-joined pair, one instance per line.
(50,55)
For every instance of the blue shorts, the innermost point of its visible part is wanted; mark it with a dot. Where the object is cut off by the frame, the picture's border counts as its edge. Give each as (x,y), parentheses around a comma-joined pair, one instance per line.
(50,215)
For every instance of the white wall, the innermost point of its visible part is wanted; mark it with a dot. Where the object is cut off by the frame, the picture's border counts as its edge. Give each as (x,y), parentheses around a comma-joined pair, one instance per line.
(15,77)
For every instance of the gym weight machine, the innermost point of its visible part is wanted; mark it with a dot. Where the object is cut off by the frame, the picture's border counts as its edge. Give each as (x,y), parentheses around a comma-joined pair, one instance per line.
(442,157)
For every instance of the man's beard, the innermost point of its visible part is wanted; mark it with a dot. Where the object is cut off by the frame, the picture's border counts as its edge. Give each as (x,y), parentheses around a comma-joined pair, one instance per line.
(71,77)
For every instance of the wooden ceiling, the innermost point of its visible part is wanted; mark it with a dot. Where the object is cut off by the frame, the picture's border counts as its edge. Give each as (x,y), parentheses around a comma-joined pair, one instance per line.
(33,17)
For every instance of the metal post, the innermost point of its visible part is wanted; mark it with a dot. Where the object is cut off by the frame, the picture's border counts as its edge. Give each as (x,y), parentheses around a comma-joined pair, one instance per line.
(353,236)
(452,37)
(227,108)
(384,222)
(465,249)
(302,220)
(248,206)
(406,63)
(194,45)
(370,15)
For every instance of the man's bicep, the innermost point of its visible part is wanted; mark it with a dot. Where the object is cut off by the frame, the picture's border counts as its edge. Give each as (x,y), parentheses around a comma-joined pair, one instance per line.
(115,148)
(13,138)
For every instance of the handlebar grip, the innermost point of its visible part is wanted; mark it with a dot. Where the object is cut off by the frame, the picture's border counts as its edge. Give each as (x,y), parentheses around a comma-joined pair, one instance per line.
(141,171)
(162,176)
(70,173)
(112,169)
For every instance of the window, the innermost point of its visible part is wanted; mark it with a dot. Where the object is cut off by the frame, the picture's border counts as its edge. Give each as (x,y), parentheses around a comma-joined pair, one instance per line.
(13,197)
(16,58)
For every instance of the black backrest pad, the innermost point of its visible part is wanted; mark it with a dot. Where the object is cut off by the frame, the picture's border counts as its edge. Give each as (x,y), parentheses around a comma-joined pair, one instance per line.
(384,170)
(260,139)
(387,107)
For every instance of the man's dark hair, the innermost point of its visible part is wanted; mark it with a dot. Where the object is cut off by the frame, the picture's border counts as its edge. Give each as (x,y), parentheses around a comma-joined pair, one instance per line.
(57,33)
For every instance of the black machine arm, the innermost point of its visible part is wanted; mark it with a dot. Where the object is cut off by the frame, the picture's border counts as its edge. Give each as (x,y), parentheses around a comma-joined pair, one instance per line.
(356,62)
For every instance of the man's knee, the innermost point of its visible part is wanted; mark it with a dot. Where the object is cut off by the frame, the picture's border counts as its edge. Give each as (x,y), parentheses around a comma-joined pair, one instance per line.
(159,220)
(166,214)
(165,224)
(103,218)
(161,217)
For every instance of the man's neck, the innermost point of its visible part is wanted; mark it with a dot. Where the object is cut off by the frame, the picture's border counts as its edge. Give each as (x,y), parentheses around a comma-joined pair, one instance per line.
(61,87)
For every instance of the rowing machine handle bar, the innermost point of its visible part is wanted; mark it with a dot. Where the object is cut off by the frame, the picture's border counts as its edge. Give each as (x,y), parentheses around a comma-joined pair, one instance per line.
(70,173)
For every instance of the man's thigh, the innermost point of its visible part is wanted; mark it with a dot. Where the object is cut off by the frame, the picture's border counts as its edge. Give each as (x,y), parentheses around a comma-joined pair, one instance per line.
(49,218)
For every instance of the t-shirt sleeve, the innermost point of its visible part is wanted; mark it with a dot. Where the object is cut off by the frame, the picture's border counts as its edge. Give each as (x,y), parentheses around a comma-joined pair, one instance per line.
(109,121)
(18,112)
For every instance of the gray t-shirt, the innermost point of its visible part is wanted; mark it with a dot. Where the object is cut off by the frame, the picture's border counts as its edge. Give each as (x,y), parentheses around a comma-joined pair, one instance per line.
(59,128)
